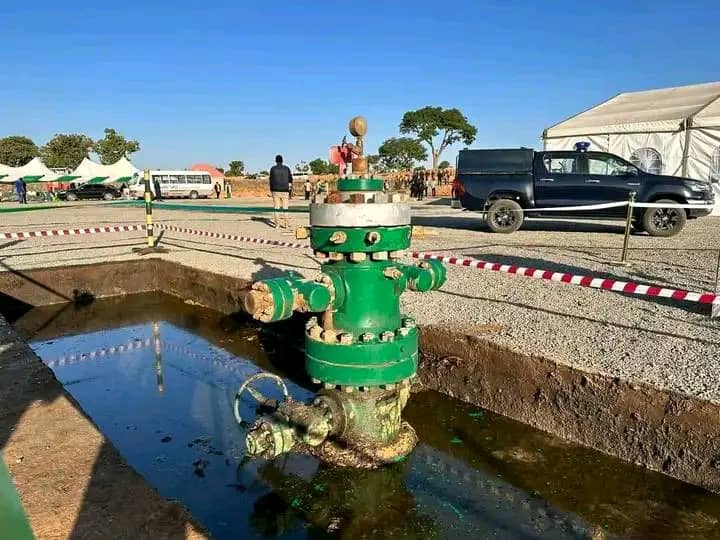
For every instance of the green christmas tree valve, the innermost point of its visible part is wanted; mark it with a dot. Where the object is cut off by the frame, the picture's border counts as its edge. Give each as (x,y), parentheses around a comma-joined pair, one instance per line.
(360,347)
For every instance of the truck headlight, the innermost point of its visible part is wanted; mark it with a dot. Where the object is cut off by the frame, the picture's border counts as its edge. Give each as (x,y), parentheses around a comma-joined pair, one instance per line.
(698,187)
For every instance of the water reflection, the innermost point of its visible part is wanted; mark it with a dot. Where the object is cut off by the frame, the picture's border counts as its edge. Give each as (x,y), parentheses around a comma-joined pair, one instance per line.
(160,382)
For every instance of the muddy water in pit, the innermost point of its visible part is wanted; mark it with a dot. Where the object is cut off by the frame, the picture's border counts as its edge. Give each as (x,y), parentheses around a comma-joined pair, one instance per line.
(163,395)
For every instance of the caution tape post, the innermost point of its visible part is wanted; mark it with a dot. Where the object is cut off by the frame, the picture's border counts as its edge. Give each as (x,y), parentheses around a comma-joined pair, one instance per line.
(152,246)
(628,226)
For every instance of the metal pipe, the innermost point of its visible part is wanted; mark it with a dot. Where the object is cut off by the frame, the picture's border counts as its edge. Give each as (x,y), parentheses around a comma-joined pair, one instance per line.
(628,225)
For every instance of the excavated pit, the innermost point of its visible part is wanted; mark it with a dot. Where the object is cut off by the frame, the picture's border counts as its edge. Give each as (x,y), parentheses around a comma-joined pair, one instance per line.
(464,455)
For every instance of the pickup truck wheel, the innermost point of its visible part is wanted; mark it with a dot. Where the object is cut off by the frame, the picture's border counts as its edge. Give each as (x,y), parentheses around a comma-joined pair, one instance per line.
(664,221)
(193,194)
(505,216)
(72,197)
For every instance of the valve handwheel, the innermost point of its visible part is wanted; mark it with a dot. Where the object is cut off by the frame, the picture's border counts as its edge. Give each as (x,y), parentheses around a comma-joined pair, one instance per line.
(257,395)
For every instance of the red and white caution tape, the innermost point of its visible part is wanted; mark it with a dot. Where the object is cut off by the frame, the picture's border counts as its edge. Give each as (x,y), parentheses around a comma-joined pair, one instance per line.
(99,353)
(227,361)
(600,206)
(664,205)
(584,281)
(604,206)
(70,232)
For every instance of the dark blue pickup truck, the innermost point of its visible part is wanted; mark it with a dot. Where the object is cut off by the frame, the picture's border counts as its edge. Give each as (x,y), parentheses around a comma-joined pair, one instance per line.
(503,183)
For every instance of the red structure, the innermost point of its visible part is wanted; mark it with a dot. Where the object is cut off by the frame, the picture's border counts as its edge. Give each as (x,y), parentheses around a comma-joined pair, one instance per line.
(216,175)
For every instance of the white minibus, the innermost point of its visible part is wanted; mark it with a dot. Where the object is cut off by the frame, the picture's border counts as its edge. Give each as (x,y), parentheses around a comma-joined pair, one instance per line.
(192,184)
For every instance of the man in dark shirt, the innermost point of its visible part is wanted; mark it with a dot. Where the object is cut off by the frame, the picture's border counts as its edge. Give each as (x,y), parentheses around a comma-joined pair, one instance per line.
(156,185)
(280,182)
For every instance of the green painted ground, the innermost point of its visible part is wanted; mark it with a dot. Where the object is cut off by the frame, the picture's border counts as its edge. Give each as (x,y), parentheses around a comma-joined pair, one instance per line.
(26,208)
(223,209)
(13,521)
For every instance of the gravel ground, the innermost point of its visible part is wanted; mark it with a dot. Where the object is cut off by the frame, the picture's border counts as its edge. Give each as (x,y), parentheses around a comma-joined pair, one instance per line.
(665,343)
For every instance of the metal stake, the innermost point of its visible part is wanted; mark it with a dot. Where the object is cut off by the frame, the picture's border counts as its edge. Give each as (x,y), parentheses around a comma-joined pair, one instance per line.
(715,308)
(159,379)
(628,226)
(151,247)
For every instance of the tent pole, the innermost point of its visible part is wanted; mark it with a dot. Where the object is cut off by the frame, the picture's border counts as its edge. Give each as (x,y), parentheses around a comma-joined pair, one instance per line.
(686,151)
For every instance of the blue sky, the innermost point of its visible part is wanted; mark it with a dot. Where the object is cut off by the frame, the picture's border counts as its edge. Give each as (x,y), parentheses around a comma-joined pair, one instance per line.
(215,81)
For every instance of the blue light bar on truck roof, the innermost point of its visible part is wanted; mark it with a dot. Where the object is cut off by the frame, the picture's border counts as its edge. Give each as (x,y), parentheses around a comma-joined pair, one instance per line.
(582,146)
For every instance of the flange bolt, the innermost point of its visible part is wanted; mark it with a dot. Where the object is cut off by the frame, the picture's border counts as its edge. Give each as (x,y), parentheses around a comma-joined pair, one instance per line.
(409,323)
(338,237)
(373,237)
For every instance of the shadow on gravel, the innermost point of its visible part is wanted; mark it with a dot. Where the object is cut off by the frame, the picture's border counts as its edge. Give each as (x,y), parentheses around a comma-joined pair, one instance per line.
(218,251)
(581,317)
(85,247)
(542,264)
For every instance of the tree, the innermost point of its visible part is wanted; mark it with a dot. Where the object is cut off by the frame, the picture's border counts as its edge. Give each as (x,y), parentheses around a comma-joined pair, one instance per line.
(401,152)
(318,166)
(17,150)
(264,173)
(444,165)
(66,150)
(236,168)
(438,128)
(114,146)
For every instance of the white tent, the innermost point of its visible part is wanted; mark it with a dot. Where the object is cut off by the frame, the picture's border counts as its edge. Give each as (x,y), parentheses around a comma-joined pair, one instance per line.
(120,171)
(33,171)
(674,131)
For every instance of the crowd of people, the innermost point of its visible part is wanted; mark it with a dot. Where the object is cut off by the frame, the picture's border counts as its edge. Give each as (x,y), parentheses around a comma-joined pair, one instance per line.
(420,183)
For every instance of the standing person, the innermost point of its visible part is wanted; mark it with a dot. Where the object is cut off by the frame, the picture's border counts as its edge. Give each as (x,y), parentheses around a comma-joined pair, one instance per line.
(156,185)
(280,185)
(218,190)
(24,190)
(422,186)
(20,190)
(307,186)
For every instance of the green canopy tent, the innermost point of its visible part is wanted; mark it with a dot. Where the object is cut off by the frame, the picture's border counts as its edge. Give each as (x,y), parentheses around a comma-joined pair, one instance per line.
(67,178)
(98,180)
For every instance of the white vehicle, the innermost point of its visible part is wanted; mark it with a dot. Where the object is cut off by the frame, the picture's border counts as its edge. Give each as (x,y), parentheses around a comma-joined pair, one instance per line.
(192,184)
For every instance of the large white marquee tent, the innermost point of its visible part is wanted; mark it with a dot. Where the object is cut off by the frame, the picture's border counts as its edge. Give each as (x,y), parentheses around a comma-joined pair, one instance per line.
(674,131)
(87,171)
